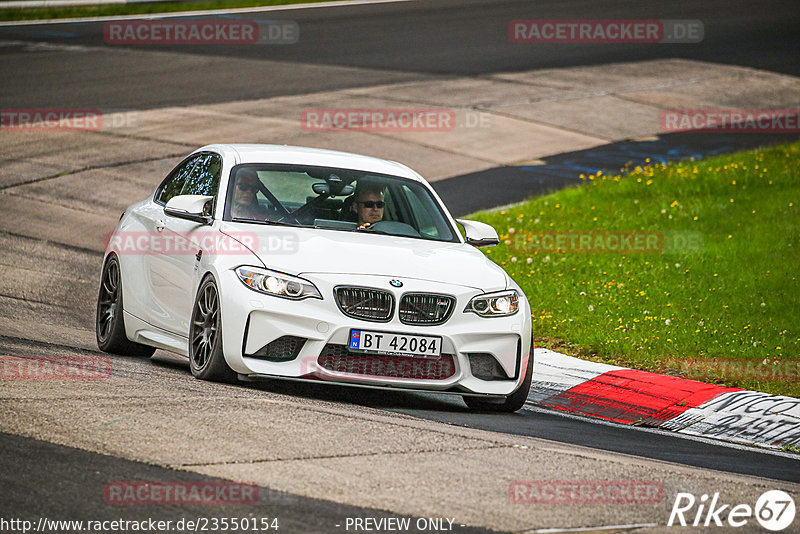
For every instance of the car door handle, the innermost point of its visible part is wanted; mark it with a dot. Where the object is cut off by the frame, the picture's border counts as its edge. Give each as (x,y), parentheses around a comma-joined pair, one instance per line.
(160,224)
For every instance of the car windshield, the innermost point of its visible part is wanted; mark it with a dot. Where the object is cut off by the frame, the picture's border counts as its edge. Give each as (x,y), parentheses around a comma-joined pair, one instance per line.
(335,199)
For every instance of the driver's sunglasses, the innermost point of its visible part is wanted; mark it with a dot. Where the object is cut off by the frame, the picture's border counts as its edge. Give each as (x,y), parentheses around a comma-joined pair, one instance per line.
(246,187)
(373,204)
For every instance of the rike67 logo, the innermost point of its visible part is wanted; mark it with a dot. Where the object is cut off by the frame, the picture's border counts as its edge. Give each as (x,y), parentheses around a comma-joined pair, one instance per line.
(774,510)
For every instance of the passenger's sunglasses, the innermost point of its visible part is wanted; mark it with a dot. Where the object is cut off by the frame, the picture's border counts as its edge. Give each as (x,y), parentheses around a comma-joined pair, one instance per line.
(373,204)
(246,187)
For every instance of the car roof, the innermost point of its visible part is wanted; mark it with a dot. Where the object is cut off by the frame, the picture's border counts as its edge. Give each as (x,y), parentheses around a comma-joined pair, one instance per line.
(256,153)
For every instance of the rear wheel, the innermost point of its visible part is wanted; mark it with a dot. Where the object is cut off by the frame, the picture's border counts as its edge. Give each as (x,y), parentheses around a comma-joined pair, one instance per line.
(512,403)
(205,336)
(109,321)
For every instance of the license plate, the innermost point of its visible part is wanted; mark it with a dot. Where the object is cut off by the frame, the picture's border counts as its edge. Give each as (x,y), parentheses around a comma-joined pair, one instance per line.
(395,344)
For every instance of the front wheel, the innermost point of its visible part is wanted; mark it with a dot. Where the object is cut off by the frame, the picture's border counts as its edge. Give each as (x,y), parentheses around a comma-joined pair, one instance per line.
(206,360)
(512,403)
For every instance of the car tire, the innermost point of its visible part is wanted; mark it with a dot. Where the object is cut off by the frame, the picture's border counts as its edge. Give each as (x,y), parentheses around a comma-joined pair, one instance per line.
(110,320)
(512,403)
(206,360)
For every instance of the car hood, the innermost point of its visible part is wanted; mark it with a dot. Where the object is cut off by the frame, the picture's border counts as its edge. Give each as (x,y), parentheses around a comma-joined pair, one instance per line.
(307,250)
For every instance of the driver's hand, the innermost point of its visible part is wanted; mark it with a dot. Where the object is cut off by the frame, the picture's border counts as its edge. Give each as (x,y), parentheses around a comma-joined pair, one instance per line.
(363,226)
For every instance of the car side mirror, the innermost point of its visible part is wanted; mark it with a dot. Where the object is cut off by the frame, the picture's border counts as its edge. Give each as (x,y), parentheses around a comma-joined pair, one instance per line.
(479,234)
(195,208)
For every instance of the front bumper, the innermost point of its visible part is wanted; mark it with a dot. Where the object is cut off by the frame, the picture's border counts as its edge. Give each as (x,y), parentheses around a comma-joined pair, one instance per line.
(251,321)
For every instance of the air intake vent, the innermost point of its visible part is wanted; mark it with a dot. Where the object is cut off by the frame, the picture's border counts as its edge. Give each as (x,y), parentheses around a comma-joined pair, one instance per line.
(486,367)
(425,308)
(365,303)
(283,349)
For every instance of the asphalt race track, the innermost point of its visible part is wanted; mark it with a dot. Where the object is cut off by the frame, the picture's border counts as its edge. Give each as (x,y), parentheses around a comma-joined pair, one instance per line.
(371,44)
(318,454)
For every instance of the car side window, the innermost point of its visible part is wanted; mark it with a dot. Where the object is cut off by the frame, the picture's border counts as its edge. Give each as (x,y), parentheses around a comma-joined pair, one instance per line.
(203,178)
(174,182)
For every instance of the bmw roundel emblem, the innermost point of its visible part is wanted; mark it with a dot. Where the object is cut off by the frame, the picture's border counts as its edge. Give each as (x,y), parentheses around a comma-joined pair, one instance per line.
(396,283)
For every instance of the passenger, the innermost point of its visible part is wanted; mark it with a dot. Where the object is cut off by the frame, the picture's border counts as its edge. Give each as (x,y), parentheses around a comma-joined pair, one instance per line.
(245,203)
(368,204)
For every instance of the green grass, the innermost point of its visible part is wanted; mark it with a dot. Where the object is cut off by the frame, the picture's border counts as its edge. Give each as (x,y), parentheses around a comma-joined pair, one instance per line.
(788,447)
(9,14)
(726,311)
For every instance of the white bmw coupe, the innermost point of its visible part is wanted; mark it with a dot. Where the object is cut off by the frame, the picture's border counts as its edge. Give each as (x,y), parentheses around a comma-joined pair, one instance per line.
(261,261)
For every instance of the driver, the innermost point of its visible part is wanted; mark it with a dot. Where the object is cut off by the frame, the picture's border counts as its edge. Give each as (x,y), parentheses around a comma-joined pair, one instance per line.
(368,204)
(245,204)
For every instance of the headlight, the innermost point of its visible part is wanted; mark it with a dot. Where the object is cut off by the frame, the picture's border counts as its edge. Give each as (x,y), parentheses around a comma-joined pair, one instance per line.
(277,284)
(499,304)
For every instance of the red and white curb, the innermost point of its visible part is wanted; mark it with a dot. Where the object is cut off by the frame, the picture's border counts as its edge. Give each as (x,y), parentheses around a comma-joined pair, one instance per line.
(632,397)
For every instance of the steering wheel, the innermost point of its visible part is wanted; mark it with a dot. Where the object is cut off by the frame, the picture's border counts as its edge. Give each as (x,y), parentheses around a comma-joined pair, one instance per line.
(392,228)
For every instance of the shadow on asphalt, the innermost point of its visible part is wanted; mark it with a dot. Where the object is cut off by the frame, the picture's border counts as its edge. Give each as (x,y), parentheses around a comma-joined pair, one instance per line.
(530,421)
(541,423)
(322,391)
(514,184)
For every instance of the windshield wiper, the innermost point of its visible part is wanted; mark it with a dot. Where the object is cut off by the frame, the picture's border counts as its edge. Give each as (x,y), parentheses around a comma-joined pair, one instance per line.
(259,221)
